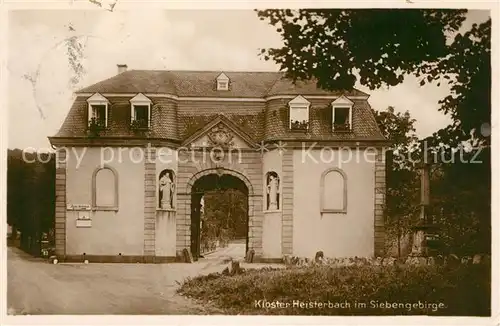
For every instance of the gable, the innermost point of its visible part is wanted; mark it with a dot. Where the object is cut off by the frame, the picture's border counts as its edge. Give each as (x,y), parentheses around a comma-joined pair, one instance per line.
(342,101)
(97,98)
(206,140)
(140,98)
(223,77)
(299,101)
(220,132)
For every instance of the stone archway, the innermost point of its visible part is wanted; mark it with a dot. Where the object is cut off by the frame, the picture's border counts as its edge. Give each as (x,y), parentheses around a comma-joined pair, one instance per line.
(220,171)
(216,179)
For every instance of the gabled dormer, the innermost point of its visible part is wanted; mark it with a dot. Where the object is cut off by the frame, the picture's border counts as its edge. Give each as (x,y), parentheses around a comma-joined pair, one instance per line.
(342,114)
(140,112)
(222,82)
(299,113)
(98,107)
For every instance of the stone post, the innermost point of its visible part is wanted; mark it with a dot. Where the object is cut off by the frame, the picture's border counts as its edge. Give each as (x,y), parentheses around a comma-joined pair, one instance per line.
(419,247)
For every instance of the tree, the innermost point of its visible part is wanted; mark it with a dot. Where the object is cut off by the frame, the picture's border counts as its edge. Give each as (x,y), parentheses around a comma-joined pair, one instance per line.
(225,215)
(31,197)
(14,193)
(377,47)
(402,195)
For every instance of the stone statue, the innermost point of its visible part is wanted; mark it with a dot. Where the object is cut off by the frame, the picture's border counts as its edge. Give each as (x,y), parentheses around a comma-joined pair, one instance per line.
(272,190)
(167,190)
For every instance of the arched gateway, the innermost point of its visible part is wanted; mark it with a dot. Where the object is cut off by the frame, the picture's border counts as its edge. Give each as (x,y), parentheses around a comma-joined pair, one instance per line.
(295,151)
(219,179)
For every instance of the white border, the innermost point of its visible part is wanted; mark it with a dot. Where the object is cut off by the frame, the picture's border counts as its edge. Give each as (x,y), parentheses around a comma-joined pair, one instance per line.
(6,5)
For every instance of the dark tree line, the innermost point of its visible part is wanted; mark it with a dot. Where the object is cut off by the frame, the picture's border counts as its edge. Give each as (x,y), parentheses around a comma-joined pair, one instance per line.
(30,198)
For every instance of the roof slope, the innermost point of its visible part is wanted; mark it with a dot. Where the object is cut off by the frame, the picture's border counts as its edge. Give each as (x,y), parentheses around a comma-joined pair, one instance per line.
(202,83)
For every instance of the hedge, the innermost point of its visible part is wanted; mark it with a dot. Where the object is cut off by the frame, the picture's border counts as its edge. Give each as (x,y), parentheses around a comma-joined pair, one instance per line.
(386,290)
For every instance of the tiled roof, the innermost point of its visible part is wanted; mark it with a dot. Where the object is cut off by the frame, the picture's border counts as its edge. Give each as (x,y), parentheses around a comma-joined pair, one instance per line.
(202,84)
(286,86)
(135,81)
(177,120)
(163,120)
(364,125)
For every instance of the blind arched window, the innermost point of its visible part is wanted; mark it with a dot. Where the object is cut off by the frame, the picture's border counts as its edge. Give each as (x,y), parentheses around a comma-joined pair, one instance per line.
(333,191)
(105,188)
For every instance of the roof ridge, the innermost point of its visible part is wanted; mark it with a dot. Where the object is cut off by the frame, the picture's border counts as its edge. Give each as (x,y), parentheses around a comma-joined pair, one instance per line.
(272,86)
(212,71)
(171,79)
(199,83)
(99,82)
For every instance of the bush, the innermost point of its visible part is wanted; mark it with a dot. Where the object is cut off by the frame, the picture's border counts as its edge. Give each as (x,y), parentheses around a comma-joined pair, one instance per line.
(463,291)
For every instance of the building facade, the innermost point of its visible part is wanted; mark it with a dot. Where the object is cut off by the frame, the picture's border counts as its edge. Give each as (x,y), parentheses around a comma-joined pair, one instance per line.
(137,151)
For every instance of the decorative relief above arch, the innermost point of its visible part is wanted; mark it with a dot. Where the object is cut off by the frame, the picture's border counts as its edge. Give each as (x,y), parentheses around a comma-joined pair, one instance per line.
(220,136)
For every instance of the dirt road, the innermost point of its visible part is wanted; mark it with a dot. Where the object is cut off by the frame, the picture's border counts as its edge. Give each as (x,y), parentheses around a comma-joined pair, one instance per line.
(36,287)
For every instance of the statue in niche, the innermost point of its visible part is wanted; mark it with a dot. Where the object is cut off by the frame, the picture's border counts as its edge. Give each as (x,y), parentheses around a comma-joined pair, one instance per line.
(273,184)
(166,189)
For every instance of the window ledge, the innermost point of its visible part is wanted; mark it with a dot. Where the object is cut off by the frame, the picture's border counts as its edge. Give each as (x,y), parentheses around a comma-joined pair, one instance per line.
(333,211)
(165,209)
(272,211)
(105,208)
(82,208)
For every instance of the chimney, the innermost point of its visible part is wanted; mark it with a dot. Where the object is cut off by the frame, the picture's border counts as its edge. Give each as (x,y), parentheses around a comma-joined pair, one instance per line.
(121,68)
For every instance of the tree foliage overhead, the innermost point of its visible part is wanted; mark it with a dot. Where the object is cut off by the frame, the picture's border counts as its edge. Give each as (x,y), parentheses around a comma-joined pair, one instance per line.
(225,215)
(378,47)
(460,186)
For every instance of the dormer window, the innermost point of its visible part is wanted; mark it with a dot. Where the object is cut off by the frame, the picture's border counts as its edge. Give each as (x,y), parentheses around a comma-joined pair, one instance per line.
(342,114)
(140,112)
(222,82)
(97,111)
(299,113)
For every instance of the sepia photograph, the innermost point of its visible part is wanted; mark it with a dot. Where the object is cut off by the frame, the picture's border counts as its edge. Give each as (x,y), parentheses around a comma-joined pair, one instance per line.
(303,161)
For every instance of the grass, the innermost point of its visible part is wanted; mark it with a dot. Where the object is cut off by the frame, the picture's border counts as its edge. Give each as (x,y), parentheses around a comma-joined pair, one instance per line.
(352,290)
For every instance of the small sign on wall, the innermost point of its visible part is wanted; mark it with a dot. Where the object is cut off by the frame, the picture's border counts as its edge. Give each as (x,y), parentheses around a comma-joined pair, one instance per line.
(78,207)
(83,220)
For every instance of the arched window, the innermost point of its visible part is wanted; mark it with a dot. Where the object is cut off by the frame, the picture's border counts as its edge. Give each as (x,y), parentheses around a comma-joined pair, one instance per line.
(105,188)
(333,191)
(272,191)
(166,189)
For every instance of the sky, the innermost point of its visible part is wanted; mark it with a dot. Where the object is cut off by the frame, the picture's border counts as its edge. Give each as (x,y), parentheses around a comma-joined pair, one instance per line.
(39,88)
